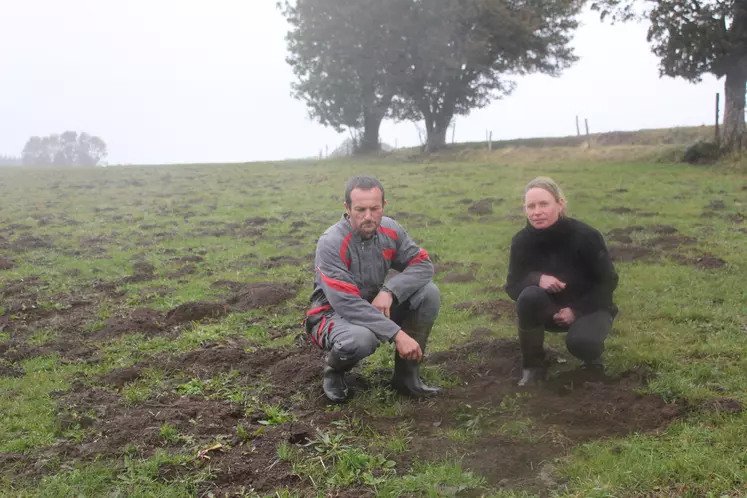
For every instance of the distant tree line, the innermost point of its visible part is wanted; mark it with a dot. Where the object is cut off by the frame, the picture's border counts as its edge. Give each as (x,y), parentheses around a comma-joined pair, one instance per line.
(10,161)
(66,149)
(358,62)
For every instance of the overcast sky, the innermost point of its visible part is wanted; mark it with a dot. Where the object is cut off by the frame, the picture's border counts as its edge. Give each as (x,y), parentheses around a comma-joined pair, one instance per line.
(167,81)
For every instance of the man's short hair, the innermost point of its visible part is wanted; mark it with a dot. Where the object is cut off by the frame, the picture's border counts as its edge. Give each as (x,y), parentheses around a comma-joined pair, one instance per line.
(363,183)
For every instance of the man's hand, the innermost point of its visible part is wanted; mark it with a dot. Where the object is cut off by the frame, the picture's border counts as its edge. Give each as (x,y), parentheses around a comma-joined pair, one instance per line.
(407,347)
(551,284)
(565,316)
(383,302)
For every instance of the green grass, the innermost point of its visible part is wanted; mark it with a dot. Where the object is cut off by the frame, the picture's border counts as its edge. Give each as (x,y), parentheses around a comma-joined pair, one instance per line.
(684,323)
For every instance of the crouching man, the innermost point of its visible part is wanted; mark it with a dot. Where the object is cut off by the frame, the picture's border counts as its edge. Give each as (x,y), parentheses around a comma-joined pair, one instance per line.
(352,310)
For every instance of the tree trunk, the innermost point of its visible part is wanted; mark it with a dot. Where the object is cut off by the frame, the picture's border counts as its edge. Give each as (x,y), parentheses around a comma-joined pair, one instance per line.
(437,129)
(371,124)
(733,134)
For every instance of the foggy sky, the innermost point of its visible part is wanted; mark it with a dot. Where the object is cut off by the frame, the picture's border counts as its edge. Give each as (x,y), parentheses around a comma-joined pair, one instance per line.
(193,81)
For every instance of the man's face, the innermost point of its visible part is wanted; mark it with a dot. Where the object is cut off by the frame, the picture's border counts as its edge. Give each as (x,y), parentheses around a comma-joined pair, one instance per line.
(365,211)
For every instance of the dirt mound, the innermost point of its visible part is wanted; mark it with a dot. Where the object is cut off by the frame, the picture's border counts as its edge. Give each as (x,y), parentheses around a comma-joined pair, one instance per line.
(653,229)
(6,264)
(228,284)
(629,253)
(195,311)
(189,259)
(481,207)
(28,242)
(141,272)
(497,308)
(71,350)
(144,321)
(8,370)
(278,261)
(481,334)
(666,242)
(119,426)
(619,210)
(182,272)
(716,205)
(260,295)
(572,408)
(121,376)
(254,222)
(705,261)
(458,278)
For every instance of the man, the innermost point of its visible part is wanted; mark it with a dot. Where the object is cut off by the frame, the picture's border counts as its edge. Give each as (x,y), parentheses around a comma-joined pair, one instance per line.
(353,310)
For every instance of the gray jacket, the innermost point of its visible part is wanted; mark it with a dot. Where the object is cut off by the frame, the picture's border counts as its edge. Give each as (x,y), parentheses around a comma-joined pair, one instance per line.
(350,273)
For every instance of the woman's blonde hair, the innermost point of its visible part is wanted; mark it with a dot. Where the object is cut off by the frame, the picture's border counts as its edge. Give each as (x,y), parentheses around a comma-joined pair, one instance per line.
(548,184)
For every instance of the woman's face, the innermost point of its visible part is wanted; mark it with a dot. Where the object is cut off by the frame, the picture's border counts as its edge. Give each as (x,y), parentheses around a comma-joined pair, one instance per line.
(541,208)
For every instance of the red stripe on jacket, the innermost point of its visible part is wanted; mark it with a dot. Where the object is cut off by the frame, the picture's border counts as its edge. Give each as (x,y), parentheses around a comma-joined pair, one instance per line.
(389,254)
(422,256)
(339,285)
(344,257)
(389,232)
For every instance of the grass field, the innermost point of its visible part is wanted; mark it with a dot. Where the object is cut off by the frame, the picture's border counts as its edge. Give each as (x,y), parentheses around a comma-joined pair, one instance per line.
(150,339)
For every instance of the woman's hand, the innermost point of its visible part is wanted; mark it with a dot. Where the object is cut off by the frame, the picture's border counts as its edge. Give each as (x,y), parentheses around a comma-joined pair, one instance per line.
(551,284)
(565,316)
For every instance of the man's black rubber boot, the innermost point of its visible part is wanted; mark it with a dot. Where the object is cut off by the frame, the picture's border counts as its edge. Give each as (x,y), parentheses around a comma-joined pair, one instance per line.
(533,375)
(335,387)
(406,379)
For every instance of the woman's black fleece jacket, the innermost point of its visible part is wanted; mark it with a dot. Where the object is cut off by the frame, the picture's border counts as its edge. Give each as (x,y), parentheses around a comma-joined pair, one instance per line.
(574,253)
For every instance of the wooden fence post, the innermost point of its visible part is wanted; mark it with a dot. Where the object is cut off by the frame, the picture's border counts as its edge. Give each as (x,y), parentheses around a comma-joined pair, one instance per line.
(718,137)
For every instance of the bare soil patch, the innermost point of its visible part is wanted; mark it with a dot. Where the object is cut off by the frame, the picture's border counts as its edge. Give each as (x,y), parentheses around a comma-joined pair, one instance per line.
(6,264)
(629,253)
(458,278)
(496,309)
(27,242)
(9,370)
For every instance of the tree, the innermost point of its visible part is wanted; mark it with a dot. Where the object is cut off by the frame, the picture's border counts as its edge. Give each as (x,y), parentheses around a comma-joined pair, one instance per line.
(67,149)
(347,56)
(10,161)
(461,52)
(692,38)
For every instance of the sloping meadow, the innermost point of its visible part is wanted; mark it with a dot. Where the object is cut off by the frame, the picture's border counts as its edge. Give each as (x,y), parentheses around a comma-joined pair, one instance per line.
(151,342)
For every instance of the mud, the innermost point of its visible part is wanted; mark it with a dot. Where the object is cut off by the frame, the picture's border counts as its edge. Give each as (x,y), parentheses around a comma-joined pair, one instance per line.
(6,264)
(630,253)
(619,210)
(481,207)
(259,295)
(668,242)
(27,242)
(182,272)
(572,408)
(141,272)
(497,309)
(9,370)
(280,261)
(122,376)
(190,259)
(195,311)
(705,261)
(144,321)
(458,278)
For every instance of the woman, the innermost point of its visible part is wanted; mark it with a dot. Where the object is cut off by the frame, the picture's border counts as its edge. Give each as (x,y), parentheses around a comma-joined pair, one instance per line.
(562,279)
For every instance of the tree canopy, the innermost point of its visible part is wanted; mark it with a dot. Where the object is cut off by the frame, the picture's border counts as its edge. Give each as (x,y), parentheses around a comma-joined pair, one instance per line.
(358,61)
(692,38)
(66,149)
